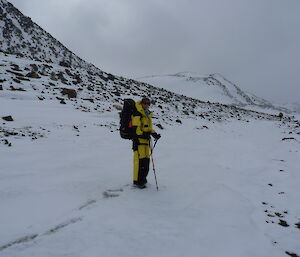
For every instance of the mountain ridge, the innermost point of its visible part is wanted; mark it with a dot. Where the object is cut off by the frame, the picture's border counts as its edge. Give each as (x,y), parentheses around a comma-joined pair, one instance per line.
(23,37)
(212,88)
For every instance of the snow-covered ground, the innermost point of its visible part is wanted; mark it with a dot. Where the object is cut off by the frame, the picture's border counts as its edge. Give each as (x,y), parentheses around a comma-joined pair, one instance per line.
(225,189)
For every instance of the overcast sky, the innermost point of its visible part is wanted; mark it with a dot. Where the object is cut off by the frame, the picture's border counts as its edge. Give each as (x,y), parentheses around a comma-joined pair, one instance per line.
(254,43)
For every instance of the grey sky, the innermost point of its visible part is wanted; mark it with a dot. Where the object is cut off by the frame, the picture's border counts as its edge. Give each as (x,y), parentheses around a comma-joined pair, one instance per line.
(254,43)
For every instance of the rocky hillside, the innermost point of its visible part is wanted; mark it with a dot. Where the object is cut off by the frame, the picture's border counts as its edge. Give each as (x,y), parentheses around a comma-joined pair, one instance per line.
(19,35)
(36,67)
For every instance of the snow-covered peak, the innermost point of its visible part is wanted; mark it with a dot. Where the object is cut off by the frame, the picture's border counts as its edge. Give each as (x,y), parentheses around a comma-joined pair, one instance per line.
(212,88)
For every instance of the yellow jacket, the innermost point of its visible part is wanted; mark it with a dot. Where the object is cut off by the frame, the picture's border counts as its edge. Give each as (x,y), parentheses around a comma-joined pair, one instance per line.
(142,123)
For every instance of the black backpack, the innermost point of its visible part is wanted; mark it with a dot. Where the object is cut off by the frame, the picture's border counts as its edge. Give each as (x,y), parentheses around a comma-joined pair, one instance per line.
(126,128)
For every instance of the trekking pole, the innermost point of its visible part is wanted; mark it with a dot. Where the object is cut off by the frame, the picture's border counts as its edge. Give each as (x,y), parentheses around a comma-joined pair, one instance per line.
(153,166)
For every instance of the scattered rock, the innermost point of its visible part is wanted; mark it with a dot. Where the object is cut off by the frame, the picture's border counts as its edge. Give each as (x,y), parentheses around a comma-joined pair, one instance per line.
(116,93)
(6,142)
(71,93)
(16,89)
(15,67)
(8,118)
(60,75)
(179,121)
(111,77)
(280,115)
(103,78)
(34,67)
(88,99)
(23,78)
(288,138)
(298,225)
(15,73)
(159,126)
(1,88)
(33,75)
(65,64)
(16,80)
(292,254)
(279,215)
(283,223)
(270,185)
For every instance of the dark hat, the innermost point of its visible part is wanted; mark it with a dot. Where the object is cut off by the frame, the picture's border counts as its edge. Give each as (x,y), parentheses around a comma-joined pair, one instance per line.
(146,100)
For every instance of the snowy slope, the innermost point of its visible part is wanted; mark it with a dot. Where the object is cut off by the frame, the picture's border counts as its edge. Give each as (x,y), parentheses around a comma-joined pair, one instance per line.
(213,88)
(225,189)
(228,177)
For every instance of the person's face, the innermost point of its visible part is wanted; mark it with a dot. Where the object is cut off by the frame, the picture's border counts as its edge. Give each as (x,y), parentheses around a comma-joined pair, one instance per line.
(146,105)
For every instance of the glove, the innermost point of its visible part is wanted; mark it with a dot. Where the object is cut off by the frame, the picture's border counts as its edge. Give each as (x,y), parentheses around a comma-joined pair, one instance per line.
(146,135)
(156,136)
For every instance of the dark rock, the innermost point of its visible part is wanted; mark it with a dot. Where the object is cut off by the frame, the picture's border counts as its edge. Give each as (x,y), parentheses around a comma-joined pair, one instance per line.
(53,76)
(70,74)
(179,121)
(103,78)
(288,138)
(1,88)
(111,77)
(8,118)
(78,79)
(283,223)
(71,93)
(62,101)
(16,80)
(33,75)
(15,73)
(15,67)
(116,93)
(62,78)
(34,67)
(23,78)
(292,254)
(160,126)
(88,99)
(65,64)
(16,89)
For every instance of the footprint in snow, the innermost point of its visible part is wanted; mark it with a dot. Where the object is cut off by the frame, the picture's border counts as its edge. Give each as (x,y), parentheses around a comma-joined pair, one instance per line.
(109,193)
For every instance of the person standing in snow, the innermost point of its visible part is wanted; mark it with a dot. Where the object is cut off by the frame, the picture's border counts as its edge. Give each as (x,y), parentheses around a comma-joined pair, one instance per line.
(142,124)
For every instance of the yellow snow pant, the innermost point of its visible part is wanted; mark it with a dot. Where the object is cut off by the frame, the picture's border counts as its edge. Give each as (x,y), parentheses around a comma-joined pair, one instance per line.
(141,161)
